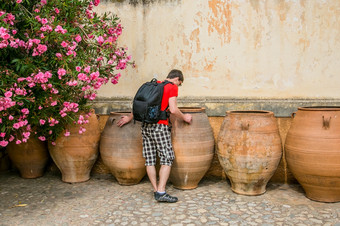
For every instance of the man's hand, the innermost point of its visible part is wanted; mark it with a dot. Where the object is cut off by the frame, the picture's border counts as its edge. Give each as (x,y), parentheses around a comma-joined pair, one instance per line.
(187,118)
(124,120)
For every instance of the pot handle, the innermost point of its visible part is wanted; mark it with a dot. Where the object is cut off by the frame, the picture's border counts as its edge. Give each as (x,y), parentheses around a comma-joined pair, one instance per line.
(293,114)
(245,126)
(326,122)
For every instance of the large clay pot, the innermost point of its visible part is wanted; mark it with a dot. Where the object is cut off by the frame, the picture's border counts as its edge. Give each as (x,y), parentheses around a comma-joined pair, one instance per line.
(121,150)
(30,158)
(193,145)
(76,154)
(249,150)
(313,152)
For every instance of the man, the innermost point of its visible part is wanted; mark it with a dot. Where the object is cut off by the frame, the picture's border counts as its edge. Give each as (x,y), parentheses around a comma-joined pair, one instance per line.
(157,138)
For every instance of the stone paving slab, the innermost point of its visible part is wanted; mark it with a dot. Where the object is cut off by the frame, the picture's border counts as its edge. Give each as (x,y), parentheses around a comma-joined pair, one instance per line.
(102,201)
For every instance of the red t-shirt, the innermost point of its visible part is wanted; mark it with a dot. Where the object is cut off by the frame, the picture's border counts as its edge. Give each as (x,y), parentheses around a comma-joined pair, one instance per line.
(170,90)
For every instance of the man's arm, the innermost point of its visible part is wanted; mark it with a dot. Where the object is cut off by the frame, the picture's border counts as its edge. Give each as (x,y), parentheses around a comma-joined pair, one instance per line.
(175,111)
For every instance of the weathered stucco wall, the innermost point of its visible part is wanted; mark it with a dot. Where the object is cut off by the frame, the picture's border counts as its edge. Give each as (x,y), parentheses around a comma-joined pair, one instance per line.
(232,48)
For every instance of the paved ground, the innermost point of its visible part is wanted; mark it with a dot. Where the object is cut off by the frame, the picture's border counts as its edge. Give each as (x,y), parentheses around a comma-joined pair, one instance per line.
(102,201)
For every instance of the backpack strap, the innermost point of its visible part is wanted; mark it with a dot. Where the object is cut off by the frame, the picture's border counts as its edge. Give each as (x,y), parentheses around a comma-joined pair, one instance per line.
(164,115)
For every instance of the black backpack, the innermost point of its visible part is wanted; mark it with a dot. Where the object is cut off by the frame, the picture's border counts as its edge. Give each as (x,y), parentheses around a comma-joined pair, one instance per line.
(147,102)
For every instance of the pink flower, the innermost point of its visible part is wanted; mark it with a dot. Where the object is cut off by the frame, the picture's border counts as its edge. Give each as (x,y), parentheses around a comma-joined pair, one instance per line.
(53,121)
(114,81)
(10,117)
(64,44)
(96,2)
(92,96)
(8,94)
(3,143)
(61,72)
(26,134)
(70,52)
(16,125)
(44,21)
(42,121)
(43,2)
(42,138)
(14,32)
(54,91)
(78,68)
(100,40)
(87,69)
(42,48)
(72,83)
(38,18)
(9,19)
(56,10)
(2,134)
(78,38)
(54,103)
(19,1)
(59,55)
(25,111)
(59,29)
(82,77)
(94,75)
(67,133)
(18,142)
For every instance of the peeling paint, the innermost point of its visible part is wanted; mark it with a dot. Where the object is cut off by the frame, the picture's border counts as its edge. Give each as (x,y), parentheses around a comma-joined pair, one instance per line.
(283,9)
(194,37)
(221,19)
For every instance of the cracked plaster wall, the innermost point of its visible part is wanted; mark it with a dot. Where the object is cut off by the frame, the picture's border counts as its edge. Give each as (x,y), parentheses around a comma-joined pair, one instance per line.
(232,48)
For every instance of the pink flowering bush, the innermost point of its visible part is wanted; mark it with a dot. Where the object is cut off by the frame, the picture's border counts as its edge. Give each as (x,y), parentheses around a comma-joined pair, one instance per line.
(54,56)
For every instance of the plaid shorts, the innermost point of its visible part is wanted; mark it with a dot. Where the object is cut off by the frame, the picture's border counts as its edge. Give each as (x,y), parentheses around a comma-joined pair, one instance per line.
(157,139)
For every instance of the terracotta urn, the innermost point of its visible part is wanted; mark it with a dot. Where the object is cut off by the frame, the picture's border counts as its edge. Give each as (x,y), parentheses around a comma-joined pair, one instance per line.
(313,151)
(30,157)
(193,145)
(121,150)
(76,154)
(249,150)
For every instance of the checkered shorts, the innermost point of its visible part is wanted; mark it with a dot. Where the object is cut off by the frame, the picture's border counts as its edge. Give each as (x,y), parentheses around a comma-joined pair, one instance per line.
(157,139)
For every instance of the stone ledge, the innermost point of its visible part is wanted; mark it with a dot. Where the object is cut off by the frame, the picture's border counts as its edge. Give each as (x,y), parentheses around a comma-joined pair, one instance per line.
(217,106)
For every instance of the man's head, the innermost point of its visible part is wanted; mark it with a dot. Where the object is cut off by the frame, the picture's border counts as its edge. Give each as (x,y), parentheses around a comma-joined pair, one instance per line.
(176,76)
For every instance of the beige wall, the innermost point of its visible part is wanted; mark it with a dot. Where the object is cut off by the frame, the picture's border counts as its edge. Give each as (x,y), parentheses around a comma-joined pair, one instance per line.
(232,48)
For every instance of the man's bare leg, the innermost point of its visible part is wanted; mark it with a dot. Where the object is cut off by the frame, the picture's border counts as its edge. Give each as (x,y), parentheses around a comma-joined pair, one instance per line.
(164,174)
(151,171)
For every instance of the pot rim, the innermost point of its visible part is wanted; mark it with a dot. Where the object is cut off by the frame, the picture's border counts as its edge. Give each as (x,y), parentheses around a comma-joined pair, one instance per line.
(192,109)
(320,108)
(252,112)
